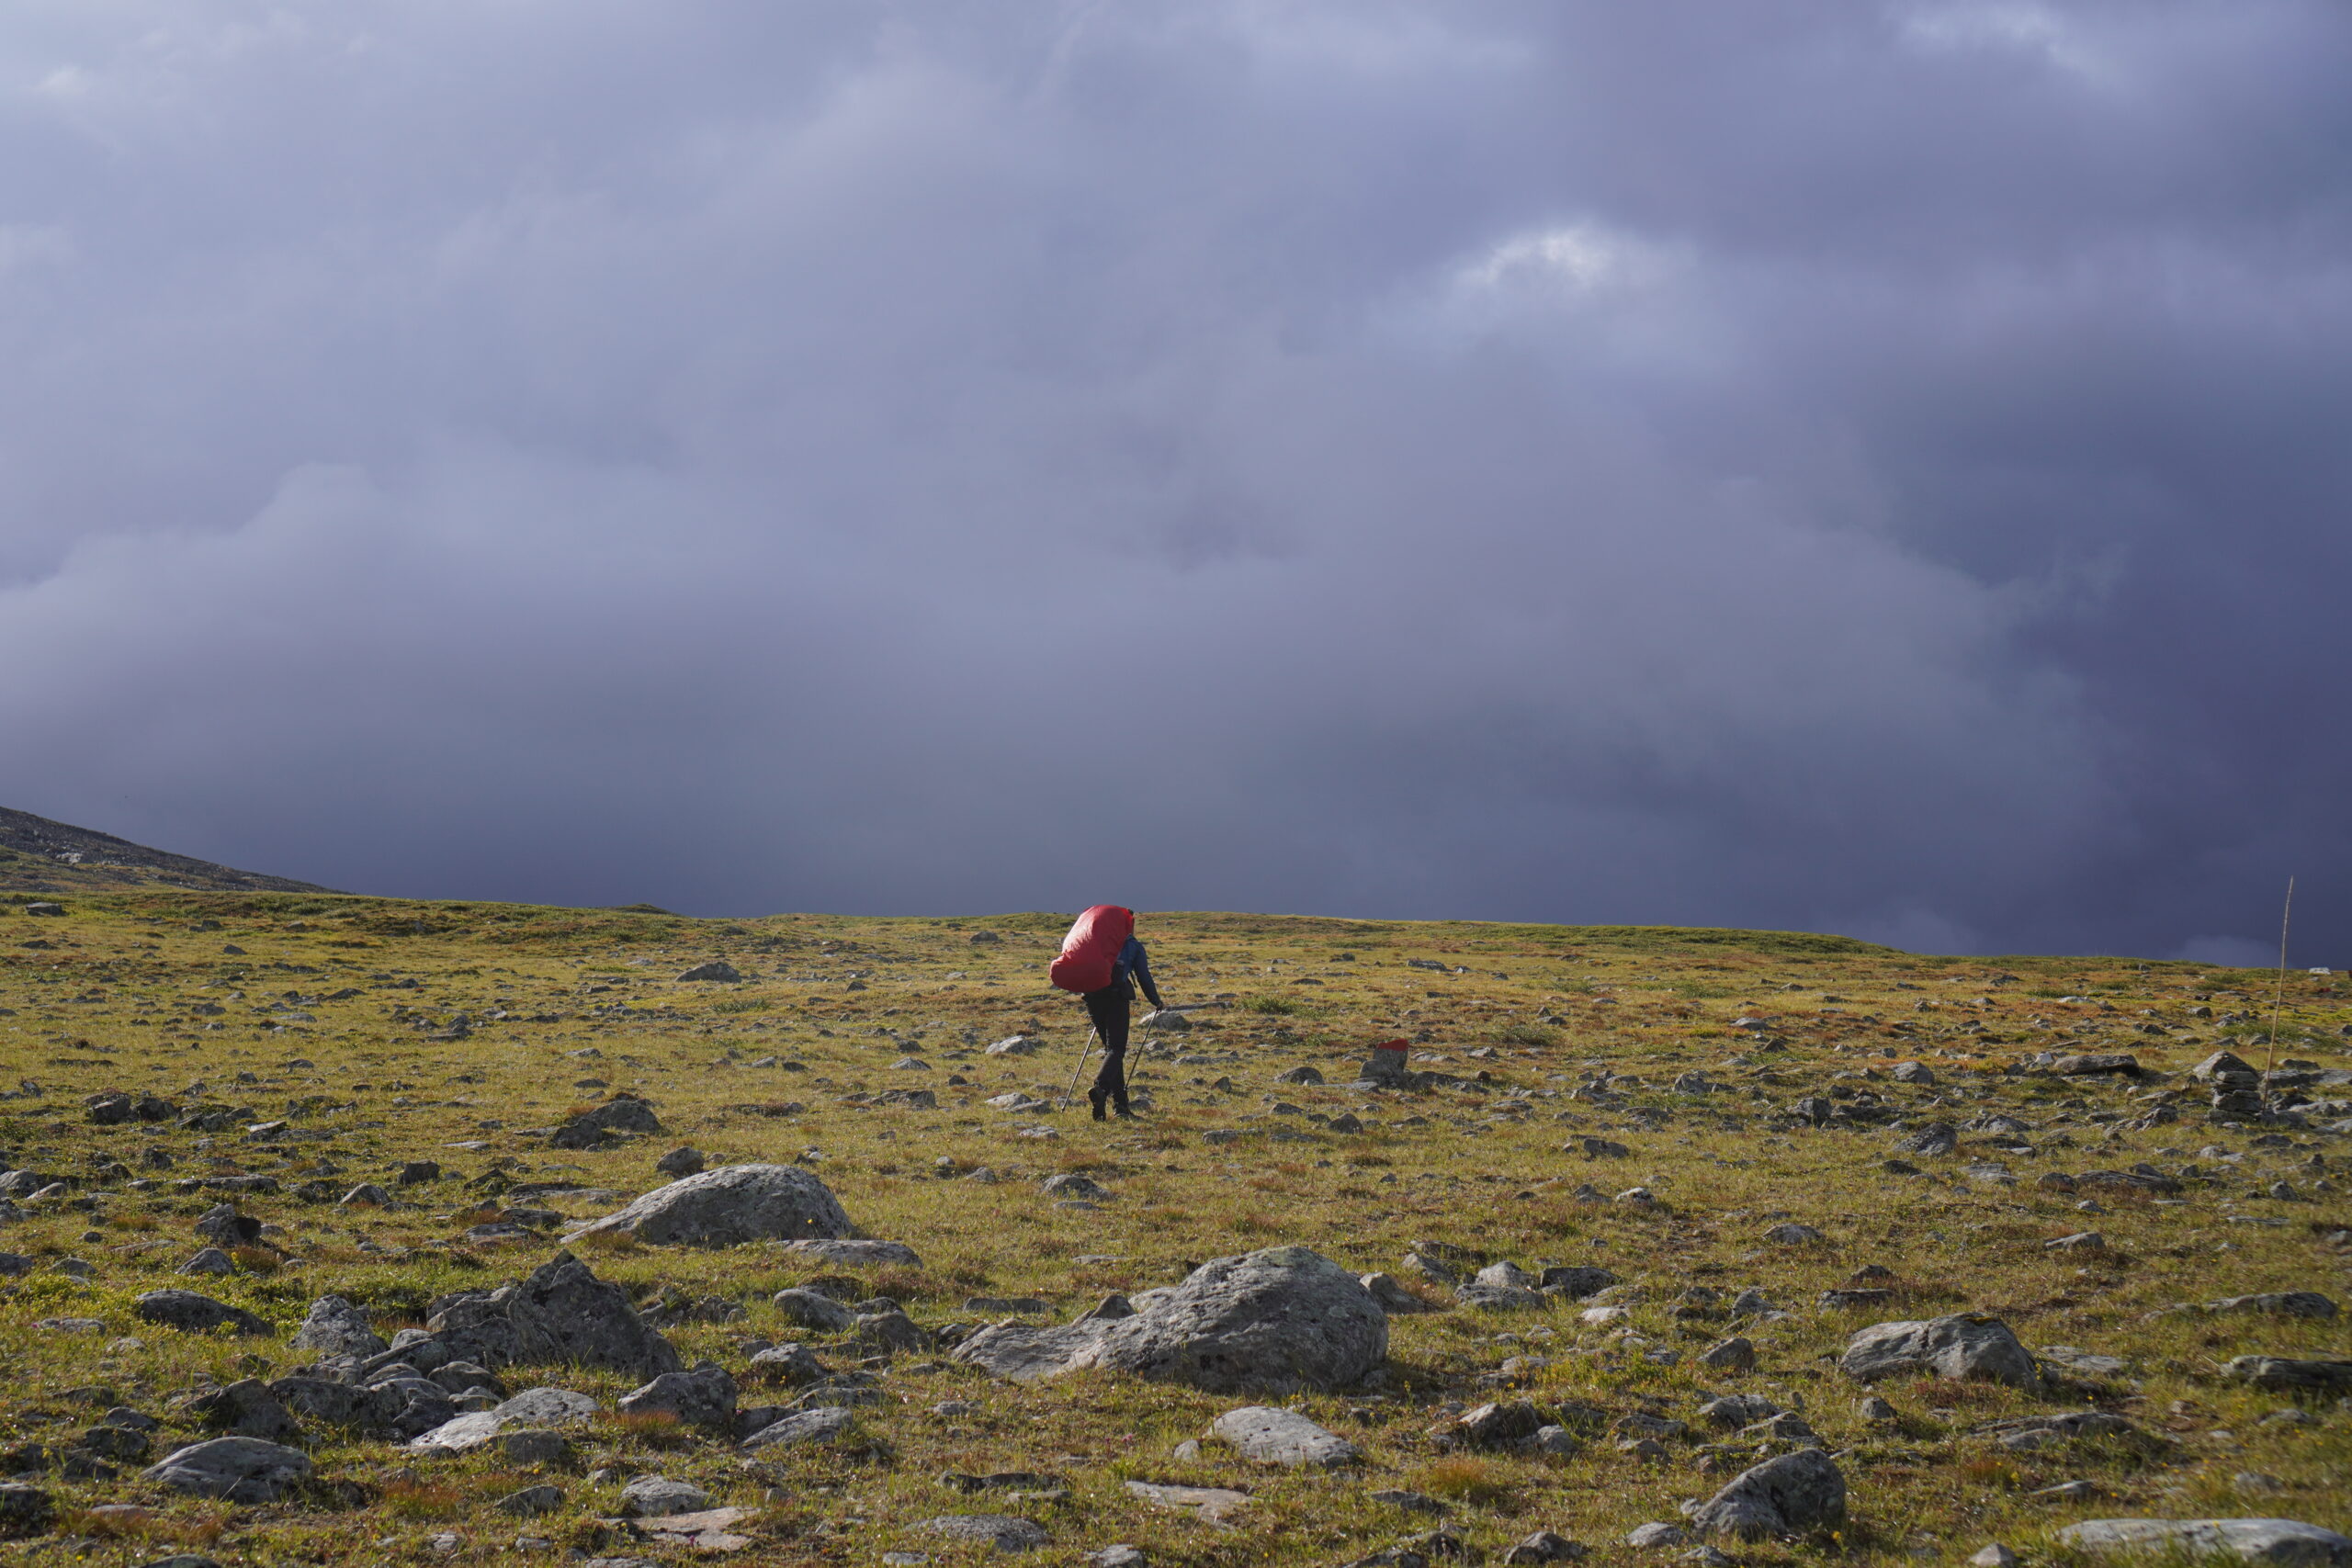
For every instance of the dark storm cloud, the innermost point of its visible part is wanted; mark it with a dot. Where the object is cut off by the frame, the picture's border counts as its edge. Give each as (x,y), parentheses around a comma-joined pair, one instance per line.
(1875,469)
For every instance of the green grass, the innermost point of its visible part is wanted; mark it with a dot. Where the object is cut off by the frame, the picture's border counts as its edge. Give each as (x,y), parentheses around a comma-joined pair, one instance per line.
(1484,1169)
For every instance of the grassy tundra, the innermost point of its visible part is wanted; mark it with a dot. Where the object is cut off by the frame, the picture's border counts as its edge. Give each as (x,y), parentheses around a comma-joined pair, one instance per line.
(325,1034)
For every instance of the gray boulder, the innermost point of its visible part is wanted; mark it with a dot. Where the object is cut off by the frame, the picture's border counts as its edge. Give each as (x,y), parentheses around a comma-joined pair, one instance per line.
(536,1408)
(815,1309)
(1277,1322)
(659,1497)
(1961,1346)
(703,1397)
(335,1327)
(224,1227)
(717,969)
(593,1129)
(246,1408)
(725,1207)
(562,1315)
(1001,1531)
(1267,1436)
(794,1365)
(1935,1138)
(374,1409)
(2279,1304)
(856,1254)
(2285,1542)
(236,1469)
(1500,1298)
(1393,1297)
(2285,1375)
(1789,1496)
(824,1424)
(194,1314)
(1576,1282)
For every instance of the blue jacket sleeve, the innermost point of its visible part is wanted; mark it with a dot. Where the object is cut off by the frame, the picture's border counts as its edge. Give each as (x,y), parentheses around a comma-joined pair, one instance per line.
(1132,958)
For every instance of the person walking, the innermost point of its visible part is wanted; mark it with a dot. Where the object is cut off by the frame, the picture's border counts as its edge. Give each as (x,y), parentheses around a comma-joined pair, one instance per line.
(1102,962)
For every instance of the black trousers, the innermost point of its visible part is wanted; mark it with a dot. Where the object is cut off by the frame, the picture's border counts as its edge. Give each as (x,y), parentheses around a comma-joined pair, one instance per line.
(1108,1010)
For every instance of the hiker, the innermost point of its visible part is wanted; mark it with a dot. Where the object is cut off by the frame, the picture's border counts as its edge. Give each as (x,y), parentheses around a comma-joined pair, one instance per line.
(1108,1010)
(1099,962)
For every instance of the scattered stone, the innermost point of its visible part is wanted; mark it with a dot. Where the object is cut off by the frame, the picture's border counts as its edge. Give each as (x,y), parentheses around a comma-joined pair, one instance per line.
(531,1501)
(593,1129)
(1071,1185)
(1394,1298)
(1734,1411)
(1733,1355)
(210,1260)
(335,1327)
(246,1408)
(193,1314)
(725,1207)
(1576,1283)
(1216,1504)
(534,1407)
(717,969)
(1119,1556)
(1994,1556)
(822,1424)
(1501,1424)
(2281,1303)
(2091,1064)
(2287,1374)
(559,1314)
(235,1470)
(703,1397)
(1959,1347)
(224,1227)
(1547,1546)
(1935,1138)
(1276,1321)
(2285,1542)
(1000,1530)
(656,1496)
(814,1310)
(681,1161)
(2081,1241)
(1656,1535)
(1792,1494)
(1268,1436)
(856,1254)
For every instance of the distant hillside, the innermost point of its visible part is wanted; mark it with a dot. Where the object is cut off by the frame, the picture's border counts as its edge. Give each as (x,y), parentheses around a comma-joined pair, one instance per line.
(38,855)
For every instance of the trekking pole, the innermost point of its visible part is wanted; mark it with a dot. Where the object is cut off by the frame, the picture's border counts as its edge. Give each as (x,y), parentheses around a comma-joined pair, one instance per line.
(1083,1055)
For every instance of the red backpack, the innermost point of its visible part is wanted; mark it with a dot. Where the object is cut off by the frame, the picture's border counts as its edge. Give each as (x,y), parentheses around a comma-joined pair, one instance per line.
(1089,954)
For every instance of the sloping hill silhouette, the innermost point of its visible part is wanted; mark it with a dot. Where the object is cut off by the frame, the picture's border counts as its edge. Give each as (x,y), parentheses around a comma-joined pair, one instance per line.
(38,855)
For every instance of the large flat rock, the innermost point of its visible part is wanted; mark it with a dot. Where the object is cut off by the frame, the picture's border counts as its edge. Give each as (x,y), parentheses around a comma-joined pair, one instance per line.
(728,1206)
(1269,1436)
(1280,1321)
(2286,1542)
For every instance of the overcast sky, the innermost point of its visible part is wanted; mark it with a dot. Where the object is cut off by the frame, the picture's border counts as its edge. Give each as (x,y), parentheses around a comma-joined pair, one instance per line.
(1872,468)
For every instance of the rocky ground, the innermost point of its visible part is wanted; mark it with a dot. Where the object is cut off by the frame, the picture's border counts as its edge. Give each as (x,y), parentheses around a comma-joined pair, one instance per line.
(340,1229)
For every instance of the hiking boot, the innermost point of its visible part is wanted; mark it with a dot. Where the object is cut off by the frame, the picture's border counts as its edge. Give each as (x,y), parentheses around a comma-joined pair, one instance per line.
(1095,1097)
